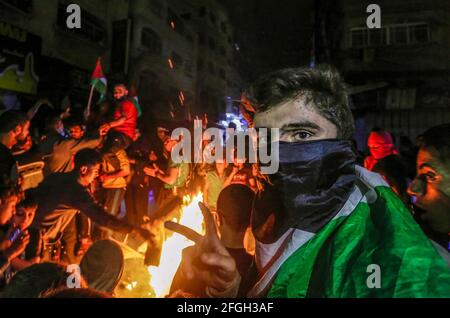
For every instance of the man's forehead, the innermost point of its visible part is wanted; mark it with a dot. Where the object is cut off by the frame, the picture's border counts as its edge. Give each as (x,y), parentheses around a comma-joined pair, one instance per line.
(289,112)
(428,157)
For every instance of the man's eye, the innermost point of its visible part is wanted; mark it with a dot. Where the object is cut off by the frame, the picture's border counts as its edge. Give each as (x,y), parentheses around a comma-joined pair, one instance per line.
(302,135)
(430,176)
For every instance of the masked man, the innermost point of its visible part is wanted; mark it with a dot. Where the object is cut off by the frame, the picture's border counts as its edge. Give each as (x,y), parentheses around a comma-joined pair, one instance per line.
(325,227)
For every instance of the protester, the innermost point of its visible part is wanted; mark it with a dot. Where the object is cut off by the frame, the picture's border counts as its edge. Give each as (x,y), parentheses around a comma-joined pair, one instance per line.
(115,170)
(122,131)
(175,178)
(380,146)
(54,132)
(61,157)
(62,195)
(394,172)
(431,187)
(137,194)
(216,180)
(14,127)
(11,244)
(37,280)
(322,222)
(22,219)
(234,209)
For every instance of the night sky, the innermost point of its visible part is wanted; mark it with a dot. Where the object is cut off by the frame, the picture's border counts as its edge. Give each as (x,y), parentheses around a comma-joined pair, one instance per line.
(271,34)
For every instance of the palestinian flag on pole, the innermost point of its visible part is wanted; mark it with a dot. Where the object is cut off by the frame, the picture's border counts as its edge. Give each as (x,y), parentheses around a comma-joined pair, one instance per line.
(135,100)
(98,79)
(371,248)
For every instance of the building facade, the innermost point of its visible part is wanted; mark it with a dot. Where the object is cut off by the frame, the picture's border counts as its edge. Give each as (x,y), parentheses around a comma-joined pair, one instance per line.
(63,58)
(406,62)
(182,58)
(178,55)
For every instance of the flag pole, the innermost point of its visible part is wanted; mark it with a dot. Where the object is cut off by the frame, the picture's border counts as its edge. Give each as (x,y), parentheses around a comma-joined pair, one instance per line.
(87,112)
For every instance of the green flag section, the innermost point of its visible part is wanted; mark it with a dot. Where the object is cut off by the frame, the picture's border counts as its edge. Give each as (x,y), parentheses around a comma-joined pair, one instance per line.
(376,250)
(98,79)
(135,101)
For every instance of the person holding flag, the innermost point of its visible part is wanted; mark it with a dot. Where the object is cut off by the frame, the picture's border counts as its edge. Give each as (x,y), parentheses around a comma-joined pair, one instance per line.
(99,84)
(324,227)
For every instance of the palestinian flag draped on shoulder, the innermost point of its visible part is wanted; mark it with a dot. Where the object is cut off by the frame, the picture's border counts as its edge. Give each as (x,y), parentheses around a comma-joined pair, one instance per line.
(371,248)
(135,100)
(98,79)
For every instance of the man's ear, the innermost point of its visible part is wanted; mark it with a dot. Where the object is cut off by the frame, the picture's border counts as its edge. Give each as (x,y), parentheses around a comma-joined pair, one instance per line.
(83,170)
(18,130)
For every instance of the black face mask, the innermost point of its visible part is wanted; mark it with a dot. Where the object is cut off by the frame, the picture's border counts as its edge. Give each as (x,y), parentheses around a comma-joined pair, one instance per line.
(314,181)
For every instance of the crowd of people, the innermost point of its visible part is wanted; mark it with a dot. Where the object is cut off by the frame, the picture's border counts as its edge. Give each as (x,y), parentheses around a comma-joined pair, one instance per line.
(310,230)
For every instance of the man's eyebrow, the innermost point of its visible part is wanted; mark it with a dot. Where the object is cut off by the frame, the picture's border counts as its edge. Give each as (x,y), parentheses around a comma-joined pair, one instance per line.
(425,165)
(300,125)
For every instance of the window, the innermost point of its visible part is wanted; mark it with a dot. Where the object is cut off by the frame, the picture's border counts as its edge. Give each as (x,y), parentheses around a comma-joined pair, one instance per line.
(151,41)
(419,33)
(399,35)
(177,59)
(25,6)
(377,37)
(94,29)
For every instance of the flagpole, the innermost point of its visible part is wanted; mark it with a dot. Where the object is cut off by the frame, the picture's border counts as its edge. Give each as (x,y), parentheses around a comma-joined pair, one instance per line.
(87,112)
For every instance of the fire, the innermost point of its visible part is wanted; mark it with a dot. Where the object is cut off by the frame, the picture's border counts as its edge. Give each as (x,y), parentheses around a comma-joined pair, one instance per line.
(162,276)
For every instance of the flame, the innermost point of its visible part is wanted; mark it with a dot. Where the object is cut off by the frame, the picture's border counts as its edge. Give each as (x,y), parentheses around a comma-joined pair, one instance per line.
(162,276)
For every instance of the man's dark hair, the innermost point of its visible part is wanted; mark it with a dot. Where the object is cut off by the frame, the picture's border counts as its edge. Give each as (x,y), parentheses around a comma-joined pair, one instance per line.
(234,205)
(36,280)
(30,199)
(73,122)
(438,138)
(10,119)
(322,87)
(87,157)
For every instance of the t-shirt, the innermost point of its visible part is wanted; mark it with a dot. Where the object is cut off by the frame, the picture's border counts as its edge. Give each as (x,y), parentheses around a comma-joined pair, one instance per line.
(215,186)
(126,109)
(114,163)
(182,177)
(7,161)
(61,197)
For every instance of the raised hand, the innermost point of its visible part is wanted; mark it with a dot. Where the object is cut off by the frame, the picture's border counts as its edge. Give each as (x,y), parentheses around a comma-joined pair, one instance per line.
(209,261)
